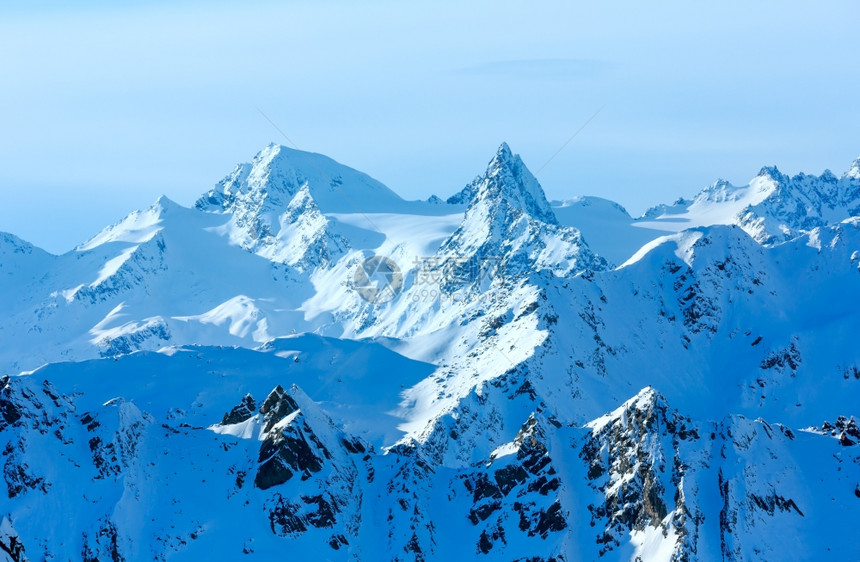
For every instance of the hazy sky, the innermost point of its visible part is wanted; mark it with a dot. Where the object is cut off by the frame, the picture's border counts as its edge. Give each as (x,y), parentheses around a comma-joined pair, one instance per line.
(104,107)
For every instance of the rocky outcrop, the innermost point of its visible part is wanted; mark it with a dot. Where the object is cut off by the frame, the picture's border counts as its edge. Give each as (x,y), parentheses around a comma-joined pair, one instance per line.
(11,547)
(630,463)
(242,411)
(519,483)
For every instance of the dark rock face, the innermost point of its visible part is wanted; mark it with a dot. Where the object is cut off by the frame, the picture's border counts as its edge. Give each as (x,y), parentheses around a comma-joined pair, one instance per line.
(783,359)
(277,405)
(524,487)
(774,502)
(289,450)
(283,455)
(244,410)
(10,543)
(640,470)
(9,411)
(293,518)
(550,520)
(102,544)
(104,457)
(845,428)
(24,407)
(626,464)
(19,476)
(284,518)
(297,442)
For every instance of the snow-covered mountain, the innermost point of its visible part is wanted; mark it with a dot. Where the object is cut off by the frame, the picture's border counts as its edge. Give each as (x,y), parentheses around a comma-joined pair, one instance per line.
(772,208)
(509,219)
(261,189)
(306,363)
(609,228)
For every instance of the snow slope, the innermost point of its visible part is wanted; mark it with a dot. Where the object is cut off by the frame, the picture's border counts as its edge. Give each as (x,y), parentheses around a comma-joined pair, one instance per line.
(607,226)
(551,381)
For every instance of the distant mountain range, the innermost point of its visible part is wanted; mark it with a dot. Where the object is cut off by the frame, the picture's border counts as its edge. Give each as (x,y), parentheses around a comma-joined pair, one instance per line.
(306,364)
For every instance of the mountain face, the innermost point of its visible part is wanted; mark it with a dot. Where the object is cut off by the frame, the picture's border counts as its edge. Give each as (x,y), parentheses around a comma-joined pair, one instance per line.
(772,208)
(304,238)
(260,189)
(508,218)
(306,363)
(509,182)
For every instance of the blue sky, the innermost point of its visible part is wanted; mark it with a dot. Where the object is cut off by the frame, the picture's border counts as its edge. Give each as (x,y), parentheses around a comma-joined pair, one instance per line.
(105,107)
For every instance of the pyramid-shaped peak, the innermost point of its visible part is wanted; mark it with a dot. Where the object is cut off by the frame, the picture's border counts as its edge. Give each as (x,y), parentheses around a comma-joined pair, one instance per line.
(509,182)
(504,157)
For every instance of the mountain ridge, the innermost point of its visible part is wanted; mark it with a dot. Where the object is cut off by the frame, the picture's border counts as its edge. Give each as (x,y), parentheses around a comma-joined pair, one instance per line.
(217,379)
(772,208)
